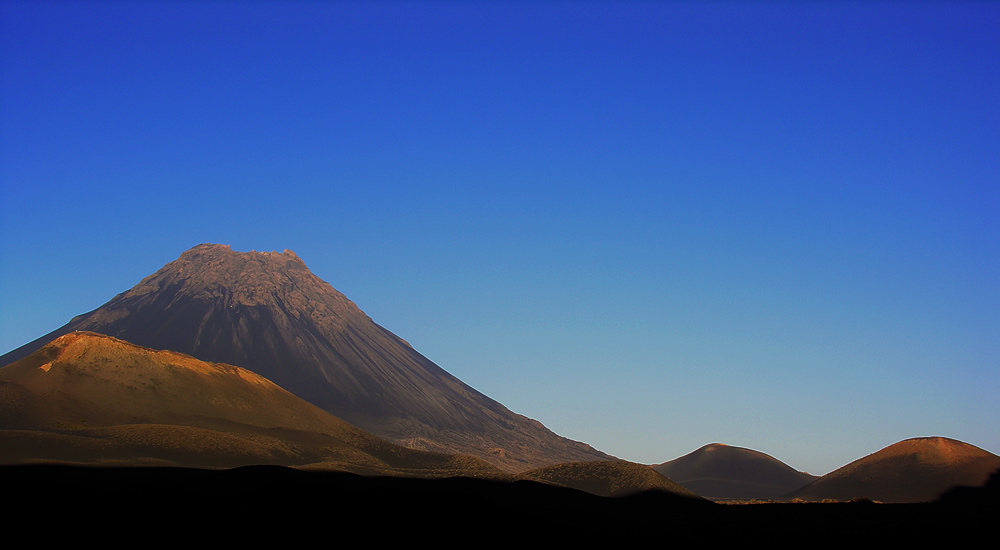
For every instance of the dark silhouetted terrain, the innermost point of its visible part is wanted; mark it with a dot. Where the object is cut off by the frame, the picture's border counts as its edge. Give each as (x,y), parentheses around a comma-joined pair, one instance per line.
(725,472)
(272,505)
(266,312)
(610,478)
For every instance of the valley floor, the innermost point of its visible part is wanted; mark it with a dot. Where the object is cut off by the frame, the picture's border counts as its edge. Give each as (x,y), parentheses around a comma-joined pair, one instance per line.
(269,504)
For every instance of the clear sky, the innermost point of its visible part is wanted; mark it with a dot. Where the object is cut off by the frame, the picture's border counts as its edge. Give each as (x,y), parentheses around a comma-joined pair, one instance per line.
(649,225)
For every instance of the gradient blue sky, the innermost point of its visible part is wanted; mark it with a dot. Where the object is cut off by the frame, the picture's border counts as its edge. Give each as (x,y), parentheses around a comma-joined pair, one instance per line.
(651,226)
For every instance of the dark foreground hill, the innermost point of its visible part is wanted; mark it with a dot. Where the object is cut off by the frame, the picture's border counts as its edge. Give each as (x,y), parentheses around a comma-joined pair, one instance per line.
(610,478)
(266,312)
(725,472)
(914,470)
(270,505)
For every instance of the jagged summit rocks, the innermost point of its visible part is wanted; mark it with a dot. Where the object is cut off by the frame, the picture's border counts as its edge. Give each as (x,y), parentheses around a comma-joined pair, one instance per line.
(266,312)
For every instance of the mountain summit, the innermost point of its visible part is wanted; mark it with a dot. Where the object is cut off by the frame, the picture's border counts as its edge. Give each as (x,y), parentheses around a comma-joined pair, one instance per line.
(266,312)
(727,472)
(920,469)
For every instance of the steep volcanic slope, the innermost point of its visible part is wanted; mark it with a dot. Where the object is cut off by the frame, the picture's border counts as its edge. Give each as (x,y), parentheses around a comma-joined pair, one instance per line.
(266,312)
(90,398)
(722,471)
(913,470)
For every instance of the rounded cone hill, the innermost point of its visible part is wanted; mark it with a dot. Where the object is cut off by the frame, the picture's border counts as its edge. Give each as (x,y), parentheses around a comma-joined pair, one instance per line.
(914,470)
(725,472)
(88,398)
(267,313)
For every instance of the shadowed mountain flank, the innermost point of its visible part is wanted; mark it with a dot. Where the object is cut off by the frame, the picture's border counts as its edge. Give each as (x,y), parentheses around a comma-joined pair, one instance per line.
(609,478)
(266,312)
(985,496)
(725,472)
(87,398)
(914,470)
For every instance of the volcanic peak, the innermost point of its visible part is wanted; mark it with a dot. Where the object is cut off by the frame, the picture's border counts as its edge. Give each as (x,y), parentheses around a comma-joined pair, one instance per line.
(722,471)
(231,279)
(934,450)
(912,470)
(266,312)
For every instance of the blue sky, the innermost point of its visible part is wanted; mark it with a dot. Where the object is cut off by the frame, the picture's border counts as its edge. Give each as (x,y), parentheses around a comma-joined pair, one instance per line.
(651,226)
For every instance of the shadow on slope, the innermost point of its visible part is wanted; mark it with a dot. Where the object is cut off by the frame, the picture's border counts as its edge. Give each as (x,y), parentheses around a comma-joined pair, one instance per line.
(614,478)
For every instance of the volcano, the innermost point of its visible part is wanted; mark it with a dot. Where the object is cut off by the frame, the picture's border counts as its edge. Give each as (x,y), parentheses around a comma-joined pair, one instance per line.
(727,472)
(914,470)
(268,313)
